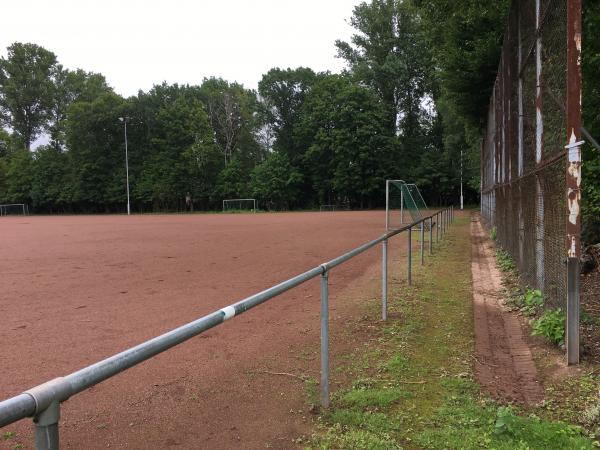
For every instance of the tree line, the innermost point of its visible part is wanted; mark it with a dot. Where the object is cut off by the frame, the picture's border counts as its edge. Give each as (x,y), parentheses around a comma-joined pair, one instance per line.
(410,105)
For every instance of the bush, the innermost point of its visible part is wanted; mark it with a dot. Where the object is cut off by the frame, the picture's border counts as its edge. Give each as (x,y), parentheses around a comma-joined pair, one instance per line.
(493,234)
(551,325)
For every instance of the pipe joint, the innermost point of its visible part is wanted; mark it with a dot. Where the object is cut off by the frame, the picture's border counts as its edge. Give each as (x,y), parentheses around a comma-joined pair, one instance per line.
(324,269)
(54,391)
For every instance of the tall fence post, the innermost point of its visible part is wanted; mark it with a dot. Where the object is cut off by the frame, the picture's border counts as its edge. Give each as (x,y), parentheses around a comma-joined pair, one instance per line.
(384,279)
(409,260)
(437,228)
(573,176)
(422,242)
(430,236)
(46,427)
(325,339)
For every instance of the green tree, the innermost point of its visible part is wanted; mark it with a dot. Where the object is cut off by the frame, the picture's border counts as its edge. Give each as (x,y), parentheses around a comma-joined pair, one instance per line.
(350,150)
(232,112)
(19,177)
(6,144)
(27,89)
(388,53)
(51,183)
(232,181)
(275,183)
(465,39)
(203,163)
(177,150)
(95,142)
(283,92)
(591,120)
(71,86)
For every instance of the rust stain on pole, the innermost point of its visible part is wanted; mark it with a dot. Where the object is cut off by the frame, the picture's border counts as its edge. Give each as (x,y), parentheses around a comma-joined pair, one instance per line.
(574,128)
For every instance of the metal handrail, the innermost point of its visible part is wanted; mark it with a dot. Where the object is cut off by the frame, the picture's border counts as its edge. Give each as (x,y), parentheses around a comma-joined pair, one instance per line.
(43,401)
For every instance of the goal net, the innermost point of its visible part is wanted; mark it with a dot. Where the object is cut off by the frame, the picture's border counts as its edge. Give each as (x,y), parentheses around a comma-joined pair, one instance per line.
(404,204)
(239,205)
(14,209)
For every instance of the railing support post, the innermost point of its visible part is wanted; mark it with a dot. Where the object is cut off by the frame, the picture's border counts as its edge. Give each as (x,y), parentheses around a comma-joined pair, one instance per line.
(325,339)
(572,333)
(409,262)
(46,427)
(430,236)
(401,206)
(422,242)
(384,280)
(444,216)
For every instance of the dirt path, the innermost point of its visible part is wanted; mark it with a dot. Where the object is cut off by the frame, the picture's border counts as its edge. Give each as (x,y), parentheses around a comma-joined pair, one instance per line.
(79,289)
(504,364)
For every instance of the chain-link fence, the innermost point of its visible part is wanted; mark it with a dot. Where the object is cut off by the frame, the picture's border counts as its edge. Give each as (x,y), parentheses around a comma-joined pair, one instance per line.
(527,186)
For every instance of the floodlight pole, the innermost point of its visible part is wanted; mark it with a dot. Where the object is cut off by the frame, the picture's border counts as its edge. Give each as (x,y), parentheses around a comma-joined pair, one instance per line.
(124,120)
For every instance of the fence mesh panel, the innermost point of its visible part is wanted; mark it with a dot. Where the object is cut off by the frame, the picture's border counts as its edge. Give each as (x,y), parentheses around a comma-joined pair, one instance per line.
(524,161)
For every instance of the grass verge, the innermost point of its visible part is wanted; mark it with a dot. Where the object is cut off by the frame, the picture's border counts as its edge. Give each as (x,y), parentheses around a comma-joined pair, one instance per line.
(413,388)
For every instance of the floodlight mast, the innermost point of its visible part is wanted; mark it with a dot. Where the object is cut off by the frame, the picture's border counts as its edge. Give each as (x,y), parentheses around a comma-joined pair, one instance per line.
(124,120)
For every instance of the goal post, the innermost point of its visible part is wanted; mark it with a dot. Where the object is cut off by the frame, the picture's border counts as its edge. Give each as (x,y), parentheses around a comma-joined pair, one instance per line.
(14,209)
(417,197)
(239,204)
(402,198)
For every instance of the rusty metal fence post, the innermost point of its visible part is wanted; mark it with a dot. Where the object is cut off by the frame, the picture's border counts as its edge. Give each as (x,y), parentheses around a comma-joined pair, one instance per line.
(573,176)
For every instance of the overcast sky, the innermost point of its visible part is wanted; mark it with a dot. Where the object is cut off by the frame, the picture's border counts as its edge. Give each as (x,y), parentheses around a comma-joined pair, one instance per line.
(136,43)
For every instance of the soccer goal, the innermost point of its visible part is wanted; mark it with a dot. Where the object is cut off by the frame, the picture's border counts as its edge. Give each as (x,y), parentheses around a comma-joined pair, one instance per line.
(14,209)
(403,203)
(239,205)
(330,208)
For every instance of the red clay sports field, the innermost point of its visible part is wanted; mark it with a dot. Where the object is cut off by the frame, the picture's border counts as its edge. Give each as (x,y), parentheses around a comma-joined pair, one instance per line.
(77,289)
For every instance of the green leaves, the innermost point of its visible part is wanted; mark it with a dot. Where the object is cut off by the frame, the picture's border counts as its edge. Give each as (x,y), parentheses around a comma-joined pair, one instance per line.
(591,120)
(505,421)
(276,183)
(348,154)
(551,325)
(388,53)
(27,89)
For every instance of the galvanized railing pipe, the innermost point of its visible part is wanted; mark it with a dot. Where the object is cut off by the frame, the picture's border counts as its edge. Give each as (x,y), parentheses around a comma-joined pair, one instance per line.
(325,339)
(384,276)
(422,243)
(43,401)
(430,236)
(409,258)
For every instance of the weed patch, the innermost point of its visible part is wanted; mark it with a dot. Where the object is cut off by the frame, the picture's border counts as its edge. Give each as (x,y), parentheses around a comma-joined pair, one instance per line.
(551,325)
